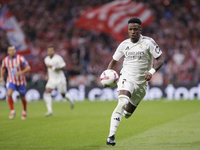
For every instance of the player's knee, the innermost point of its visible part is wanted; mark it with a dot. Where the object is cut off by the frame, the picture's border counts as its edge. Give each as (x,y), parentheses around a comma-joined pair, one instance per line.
(47,95)
(66,95)
(9,95)
(22,97)
(126,114)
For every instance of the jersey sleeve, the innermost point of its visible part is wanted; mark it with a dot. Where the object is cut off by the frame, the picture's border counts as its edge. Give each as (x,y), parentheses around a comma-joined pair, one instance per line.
(61,62)
(119,52)
(45,61)
(24,62)
(3,65)
(154,48)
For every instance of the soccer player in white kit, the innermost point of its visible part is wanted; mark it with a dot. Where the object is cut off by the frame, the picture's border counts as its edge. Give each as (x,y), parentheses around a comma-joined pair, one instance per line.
(139,52)
(55,78)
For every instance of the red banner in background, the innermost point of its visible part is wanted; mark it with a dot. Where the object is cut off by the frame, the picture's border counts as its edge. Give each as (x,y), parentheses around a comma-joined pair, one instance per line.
(112,18)
(5,1)
(14,33)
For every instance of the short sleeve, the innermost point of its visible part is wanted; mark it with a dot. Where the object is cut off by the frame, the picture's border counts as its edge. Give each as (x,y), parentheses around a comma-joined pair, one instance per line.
(61,62)
(3,64)
(23,61)
(119,52)
(154,48)
(45,61)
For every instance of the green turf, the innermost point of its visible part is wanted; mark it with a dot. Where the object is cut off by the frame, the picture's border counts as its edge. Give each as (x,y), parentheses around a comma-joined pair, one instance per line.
(155,125)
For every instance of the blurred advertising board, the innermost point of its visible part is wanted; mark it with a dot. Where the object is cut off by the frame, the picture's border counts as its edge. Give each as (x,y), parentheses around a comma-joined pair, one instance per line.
(83,92)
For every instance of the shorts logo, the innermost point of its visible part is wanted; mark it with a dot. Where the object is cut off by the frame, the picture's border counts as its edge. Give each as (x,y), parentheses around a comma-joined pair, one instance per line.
(123,83)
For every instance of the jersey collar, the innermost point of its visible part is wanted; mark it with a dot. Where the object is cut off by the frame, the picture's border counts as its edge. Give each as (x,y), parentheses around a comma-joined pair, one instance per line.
(140,39)
(13,57)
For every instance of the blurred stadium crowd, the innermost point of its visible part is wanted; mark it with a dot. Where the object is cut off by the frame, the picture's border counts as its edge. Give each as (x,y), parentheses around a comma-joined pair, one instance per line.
(86,52)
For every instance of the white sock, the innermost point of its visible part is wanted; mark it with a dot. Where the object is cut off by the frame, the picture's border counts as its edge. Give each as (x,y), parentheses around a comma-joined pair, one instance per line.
(23,112)
(126,114)
(48,101)
(117,113)
(12,111)
(67,96)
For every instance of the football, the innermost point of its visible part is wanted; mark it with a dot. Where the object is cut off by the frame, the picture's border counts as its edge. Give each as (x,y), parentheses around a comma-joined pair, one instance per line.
(109,78)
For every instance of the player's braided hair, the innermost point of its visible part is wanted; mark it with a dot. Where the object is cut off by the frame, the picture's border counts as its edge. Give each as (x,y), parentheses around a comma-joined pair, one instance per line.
(135,20)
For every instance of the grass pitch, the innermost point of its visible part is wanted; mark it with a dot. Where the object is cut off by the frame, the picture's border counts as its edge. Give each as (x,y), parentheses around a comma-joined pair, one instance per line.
(155,125)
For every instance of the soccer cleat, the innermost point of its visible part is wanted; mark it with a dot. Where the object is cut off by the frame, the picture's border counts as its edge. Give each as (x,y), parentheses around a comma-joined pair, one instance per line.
(12,115)
(71,101)
(71,104)
(111,140)
(49,114)
(23,115)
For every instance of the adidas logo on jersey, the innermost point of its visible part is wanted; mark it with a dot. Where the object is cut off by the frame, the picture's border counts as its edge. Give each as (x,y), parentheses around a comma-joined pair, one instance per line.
(127,48)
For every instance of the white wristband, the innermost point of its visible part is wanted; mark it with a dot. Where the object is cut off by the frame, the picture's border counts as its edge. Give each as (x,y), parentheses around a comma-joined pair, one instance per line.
(152,71)
(53,68)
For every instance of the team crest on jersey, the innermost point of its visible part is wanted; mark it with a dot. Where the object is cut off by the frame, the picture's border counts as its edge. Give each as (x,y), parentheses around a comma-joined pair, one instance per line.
(140,46)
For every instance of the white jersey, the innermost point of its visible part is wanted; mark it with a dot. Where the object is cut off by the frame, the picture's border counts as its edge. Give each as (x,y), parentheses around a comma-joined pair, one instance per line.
(57,62)
(138,57)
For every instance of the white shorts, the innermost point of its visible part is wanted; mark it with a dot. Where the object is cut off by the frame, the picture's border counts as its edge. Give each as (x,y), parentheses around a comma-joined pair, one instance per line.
(138,91)
(61,85)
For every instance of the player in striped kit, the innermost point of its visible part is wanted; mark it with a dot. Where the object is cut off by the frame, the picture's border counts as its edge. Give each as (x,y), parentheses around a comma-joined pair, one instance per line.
(17,66)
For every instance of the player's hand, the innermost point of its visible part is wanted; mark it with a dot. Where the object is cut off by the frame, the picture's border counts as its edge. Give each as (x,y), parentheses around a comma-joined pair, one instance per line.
(49,66)
(19,73)
(148,76)
(46,78)
(1,79)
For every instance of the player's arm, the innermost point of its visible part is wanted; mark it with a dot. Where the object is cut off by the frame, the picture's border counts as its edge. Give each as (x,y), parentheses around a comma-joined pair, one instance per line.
(61,66)
(116,57)
(157,66)
(56,68)
(26,69)
(3,70)
(47,76)
(112,64)
(159,63)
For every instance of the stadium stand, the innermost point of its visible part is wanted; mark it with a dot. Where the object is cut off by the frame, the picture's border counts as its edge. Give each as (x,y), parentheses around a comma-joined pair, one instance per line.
(175,29)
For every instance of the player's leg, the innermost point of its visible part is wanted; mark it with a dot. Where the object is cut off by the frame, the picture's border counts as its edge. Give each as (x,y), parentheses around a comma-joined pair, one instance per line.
(24,104)
(62,88)
(22,92)
(10,89)
(123,99)
(48,100)
(136,97)
(130,108)
(68,97)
